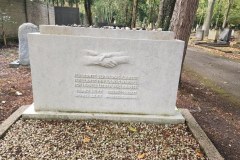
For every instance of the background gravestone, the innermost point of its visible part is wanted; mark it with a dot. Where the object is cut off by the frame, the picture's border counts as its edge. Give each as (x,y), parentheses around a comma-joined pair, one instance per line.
(213,35)
(237,36)
(199,34)
(225,35)
(23,30)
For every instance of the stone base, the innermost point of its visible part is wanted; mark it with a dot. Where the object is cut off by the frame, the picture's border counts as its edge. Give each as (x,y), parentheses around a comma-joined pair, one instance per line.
(30,113)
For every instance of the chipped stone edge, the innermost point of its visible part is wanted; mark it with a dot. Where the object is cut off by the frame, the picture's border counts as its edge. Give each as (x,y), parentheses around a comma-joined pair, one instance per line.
(11,120)
(205,143)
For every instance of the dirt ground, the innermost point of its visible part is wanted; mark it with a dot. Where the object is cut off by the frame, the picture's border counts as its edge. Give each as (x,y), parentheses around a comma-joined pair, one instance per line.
(218,116)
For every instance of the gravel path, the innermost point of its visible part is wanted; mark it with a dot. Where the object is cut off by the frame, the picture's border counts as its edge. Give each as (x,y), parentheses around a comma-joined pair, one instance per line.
(36,139)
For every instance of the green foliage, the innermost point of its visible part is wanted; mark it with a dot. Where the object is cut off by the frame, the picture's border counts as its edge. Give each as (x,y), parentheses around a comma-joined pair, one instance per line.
(4,19)
(108,11)
(234,15)
(219,11)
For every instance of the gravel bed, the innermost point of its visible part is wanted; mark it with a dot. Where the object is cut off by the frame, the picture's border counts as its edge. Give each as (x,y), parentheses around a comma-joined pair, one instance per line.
(38,139)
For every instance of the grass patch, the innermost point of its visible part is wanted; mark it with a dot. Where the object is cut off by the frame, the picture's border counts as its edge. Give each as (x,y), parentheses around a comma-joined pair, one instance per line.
(213,86)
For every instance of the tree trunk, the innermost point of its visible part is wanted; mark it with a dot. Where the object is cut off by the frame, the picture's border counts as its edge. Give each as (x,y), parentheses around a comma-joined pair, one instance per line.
(134,13)
(25,10)
(218,13)
(62,3)
(4,38)
(151,14)
(88,13)
(208,17)
(126,14)
(70,3)
(160,15)
(182,20)
(168,18)
(227,13)
(57,2)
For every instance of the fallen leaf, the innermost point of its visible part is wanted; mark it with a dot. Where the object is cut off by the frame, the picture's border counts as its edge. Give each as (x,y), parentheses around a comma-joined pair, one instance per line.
(18,93)
(130,149)
(132,129)
(86,139)
(141,156)
(199,153)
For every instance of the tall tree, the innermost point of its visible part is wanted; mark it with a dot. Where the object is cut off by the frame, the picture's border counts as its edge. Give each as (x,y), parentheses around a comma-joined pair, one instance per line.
(208,17)
(230,2)
(160,15)
(77,3)
(134,13)
(219,4)
(182,20)
(169,4)
(70,3)
(62,2)
(88,12)
(151,13)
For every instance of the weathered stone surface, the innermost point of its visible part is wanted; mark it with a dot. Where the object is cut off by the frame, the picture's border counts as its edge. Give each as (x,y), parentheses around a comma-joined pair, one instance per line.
(237,36)
(225,35)
(23,30)
(213,34)
(105,74)
(199,34)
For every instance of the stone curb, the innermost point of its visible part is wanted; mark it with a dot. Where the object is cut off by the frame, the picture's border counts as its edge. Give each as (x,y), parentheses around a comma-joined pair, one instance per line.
(205,143)
(10,120)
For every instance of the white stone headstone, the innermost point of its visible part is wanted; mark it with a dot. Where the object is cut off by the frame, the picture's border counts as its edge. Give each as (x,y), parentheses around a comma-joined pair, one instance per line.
(213,34)
(199,34)
(23,30)
(107,75)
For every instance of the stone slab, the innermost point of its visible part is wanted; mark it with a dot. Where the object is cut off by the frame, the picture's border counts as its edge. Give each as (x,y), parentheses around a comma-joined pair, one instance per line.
(112,33)
(104,75)
(30,113)
(10,120)
(205,143)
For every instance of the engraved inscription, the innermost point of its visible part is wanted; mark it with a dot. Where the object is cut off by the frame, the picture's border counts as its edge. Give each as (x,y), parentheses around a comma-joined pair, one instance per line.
(106,86)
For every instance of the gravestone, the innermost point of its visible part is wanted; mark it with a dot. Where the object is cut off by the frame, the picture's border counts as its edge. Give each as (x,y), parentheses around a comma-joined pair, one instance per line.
(199,34)
(225,35)
(213,35)
(237,36)
(104,74)
(23,30)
